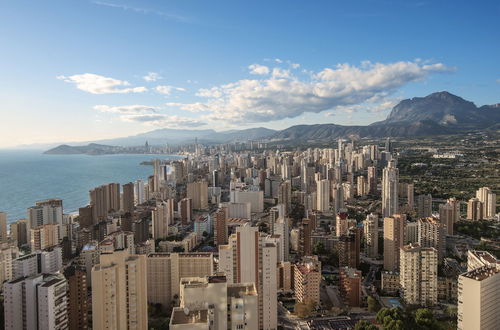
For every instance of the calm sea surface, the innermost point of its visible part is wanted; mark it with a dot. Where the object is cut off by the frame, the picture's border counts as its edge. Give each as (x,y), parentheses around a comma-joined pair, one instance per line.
(28,176)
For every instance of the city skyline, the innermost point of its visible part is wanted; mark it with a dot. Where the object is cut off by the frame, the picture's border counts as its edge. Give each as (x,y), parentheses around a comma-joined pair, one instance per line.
(103,69)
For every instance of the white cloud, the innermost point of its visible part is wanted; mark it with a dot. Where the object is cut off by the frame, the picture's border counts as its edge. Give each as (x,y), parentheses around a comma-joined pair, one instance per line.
(283,95)
(126,109)
(258,69)
(167,90)
(329,114)
(498,80)
(152,76)
(280,73)
(163,120)
(96,84)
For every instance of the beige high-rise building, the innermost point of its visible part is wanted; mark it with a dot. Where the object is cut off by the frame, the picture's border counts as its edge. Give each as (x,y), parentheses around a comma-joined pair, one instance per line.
(372,180)
(307,279)
(394,230)
(185,209)
(214,303)
(475,209)
(418,275)
(3,227)
(165,270)
(362,187)
(410,195)
(390,182)
(370,227)
(128,197)
(162,217)
(478,299)
(449,214)
(323,195)
(105,199)
(18,232)
(432,233)
(424,206)
(119,292)
(220,226)
(285,195)
(489,200)
(251,258)
(350,286)
(44,236)
(198,192)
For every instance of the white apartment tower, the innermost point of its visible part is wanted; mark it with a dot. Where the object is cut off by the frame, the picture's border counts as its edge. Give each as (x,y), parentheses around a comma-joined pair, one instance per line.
(390,182)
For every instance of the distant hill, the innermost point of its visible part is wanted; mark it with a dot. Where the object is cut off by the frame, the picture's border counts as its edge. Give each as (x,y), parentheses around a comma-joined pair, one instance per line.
(186,136)
(90,149)
(436,114)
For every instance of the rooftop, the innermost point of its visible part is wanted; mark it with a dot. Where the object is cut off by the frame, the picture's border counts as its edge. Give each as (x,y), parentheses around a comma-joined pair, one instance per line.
(481,273)
(185,316)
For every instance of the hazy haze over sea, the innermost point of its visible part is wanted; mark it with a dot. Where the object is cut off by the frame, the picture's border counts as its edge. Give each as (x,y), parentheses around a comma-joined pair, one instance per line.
(28,175)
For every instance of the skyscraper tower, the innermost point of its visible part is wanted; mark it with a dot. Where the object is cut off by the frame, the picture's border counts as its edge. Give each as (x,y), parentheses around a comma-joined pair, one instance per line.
(390,181)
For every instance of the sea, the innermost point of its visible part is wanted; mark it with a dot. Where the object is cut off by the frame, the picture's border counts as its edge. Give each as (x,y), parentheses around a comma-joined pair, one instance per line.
(27,176)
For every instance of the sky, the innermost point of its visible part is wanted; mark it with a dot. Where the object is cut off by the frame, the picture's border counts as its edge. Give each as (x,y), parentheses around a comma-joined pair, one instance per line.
(84,70)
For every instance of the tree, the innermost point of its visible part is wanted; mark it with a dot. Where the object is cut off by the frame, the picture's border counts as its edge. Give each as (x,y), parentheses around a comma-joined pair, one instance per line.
(205,234)
(365,325)
(263,227)
(305,308)
(424,318)
(391,318)
(178,249)
(373,305)
(319,249)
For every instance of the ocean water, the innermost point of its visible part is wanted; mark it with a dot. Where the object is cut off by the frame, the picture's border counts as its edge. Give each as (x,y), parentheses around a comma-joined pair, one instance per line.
(28,176)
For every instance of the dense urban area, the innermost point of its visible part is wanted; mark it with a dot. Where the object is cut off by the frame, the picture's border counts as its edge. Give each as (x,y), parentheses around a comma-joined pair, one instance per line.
(347,234)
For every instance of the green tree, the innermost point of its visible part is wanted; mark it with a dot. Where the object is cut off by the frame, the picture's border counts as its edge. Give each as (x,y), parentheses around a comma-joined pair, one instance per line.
(319,249)
(373,305)
(424,318)
(365,325)
(178,249)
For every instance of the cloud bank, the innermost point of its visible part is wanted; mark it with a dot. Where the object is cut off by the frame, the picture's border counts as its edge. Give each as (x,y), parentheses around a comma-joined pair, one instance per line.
(282,93)
(96,84)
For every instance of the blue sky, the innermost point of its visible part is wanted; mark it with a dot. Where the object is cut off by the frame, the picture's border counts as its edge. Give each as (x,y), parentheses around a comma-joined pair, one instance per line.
(85,70)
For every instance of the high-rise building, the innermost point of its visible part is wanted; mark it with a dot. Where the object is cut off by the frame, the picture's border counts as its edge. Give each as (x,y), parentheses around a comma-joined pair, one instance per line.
(338,198)
(370,226)
(128,198)
(449,214)
(220,226)
(44,213)
(350,286)
(86,216)
(162,217)
(307,279)
(361,185)
(18,232)
(394,230)
(341,224)
(418,275)
(432,233)
(3,227)
(185,209)
(489,200)
(478,288)
(285,196)
(390,182)
(119,292)
(478,306)
(44,236)
(77,297)
(372,180)
(424,206)
(410,193)
(475,209)
(198,192)
(139,192)
(281,228)
(7,253)
(165,270)
(105,199)
(323,195)
(251,257)
(214,302)
(349,248)
(305,241)
(36,302)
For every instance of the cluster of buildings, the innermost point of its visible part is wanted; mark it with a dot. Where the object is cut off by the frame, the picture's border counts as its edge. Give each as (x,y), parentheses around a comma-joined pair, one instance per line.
(212,239)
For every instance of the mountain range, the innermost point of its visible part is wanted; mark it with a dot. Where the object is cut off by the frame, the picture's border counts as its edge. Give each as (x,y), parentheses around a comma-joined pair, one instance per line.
(434,114)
